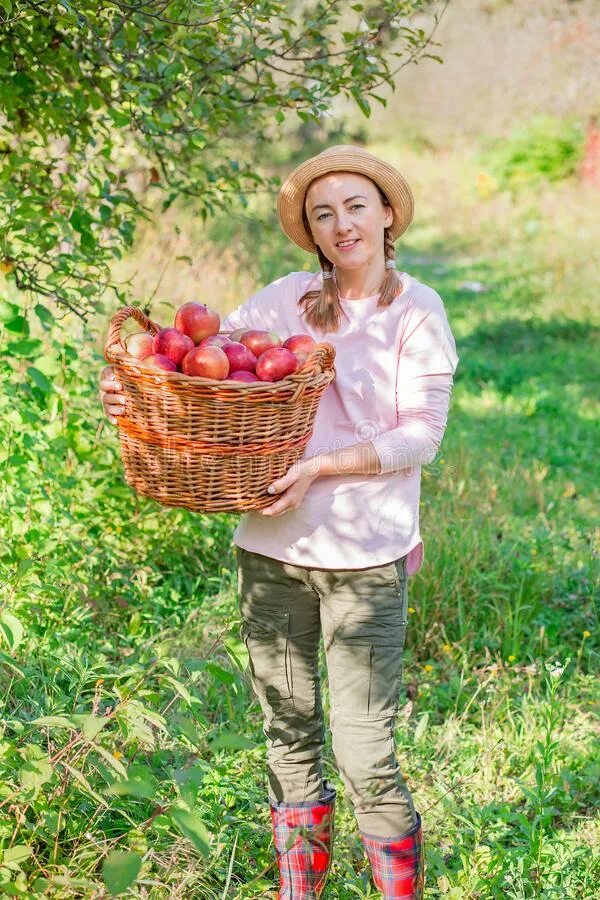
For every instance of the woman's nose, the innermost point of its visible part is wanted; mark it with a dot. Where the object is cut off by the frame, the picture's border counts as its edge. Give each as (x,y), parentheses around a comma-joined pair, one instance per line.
(343,224)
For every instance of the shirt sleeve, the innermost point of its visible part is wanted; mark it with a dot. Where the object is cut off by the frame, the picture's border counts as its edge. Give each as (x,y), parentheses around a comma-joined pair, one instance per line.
(263,310)
(426,365)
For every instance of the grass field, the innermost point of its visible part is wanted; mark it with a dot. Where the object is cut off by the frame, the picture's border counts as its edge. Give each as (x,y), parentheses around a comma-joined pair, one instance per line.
(129,733)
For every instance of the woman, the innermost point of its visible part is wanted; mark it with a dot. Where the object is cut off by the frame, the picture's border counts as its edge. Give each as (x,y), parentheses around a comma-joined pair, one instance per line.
(332,554)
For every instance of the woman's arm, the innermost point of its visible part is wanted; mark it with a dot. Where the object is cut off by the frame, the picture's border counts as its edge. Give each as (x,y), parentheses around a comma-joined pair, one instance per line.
(426,365)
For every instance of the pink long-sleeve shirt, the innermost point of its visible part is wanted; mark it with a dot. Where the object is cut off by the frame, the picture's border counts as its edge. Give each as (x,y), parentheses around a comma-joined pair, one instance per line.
(394,377)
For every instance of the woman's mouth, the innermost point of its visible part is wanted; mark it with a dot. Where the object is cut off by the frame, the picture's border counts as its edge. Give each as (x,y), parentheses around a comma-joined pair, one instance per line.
(347,245)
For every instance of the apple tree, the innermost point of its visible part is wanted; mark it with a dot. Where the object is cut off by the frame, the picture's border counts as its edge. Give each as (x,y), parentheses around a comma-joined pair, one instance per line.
(193,88)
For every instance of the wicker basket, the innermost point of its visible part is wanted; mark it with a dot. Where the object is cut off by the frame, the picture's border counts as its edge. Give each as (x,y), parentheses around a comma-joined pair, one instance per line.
(211,446)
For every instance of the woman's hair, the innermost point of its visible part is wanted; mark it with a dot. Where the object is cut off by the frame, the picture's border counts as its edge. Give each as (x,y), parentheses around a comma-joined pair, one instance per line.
(322,308)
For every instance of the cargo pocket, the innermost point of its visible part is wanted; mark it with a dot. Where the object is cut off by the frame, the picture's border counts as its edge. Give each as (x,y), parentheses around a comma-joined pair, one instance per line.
(367,665)
(268,644)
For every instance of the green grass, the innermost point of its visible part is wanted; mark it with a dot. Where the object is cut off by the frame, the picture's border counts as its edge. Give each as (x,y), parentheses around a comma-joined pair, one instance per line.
(123,612)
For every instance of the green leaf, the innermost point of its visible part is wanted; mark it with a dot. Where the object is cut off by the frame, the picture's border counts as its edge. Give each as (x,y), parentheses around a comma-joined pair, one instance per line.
(112,761)
(24,348)
(18,325)
(12,629)
(362,103)
(93,725)
(120,870)
(237,652)
(44,315)
(220,674)
(8,311)
(34,773)
(139,782)
(39,379)
(54,721)
(228,740)
(180,689)
(17,854)
(24,566)
(192,827)
(7,661)
(119,118)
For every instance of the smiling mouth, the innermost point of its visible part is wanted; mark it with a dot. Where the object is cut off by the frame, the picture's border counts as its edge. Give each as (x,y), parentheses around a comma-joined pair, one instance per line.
(344,245)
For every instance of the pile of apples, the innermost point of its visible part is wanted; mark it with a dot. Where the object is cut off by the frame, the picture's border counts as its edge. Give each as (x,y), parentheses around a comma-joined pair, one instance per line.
(194,347)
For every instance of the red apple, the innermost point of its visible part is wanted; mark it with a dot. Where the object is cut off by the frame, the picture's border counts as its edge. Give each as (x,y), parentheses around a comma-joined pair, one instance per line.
(300,343)
(197,321)
(259,341)
(242,375)
(275,364)
(239,357)
(207,362)
(139,344)
(236,335)
(172,343)
(215,340)
(159,363)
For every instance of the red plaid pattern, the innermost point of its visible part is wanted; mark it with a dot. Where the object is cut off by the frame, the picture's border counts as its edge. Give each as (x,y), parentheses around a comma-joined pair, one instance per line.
(398,864)
(303,834)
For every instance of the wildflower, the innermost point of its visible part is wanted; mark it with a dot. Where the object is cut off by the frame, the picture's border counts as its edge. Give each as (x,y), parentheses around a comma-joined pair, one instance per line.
(117,754)
(587,634)
(555,669)
(411,609)
(446,648)
(428,668)
(511,658)
(99,682)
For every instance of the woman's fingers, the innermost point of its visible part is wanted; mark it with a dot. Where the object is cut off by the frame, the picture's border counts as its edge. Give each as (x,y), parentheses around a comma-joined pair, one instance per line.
(109,381)
(110,394)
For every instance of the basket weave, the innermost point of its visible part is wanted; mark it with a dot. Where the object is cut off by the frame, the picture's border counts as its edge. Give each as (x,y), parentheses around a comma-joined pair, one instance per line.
(211,446)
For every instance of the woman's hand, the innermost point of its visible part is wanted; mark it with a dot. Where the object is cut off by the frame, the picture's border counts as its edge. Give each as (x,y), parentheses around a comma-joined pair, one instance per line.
(110,394)
(294,485)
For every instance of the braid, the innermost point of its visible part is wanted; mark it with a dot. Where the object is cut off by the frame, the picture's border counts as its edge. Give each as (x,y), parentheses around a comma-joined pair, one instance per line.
(388,244)
(322,308)
(391,285)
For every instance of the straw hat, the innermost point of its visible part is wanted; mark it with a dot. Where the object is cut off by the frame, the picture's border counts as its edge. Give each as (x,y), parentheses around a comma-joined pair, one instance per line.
(342,158)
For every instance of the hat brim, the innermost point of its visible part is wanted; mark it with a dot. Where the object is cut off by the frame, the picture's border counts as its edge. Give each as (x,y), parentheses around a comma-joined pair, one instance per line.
(343,158)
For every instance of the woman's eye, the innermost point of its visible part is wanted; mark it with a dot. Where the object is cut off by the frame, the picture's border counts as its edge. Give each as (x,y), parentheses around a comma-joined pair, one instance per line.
(354,206)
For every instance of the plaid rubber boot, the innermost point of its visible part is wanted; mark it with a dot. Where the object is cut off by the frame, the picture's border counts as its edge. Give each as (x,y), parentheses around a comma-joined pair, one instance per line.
(303,834)
(398,863)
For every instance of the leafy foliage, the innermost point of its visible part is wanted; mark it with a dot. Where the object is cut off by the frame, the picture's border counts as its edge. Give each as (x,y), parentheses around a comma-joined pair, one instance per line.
(545,150)
(185,94)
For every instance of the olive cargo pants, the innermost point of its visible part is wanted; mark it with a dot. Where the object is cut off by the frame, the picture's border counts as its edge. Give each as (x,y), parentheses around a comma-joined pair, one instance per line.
(362,617)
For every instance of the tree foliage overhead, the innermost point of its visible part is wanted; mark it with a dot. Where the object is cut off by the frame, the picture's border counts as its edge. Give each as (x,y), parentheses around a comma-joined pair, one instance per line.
(191,88)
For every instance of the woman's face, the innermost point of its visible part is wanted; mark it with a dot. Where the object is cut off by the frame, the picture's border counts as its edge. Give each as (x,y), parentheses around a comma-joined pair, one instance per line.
(347,218)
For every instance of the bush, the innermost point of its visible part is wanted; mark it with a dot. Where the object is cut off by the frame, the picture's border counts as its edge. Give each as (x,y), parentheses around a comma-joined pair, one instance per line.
(545,150)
